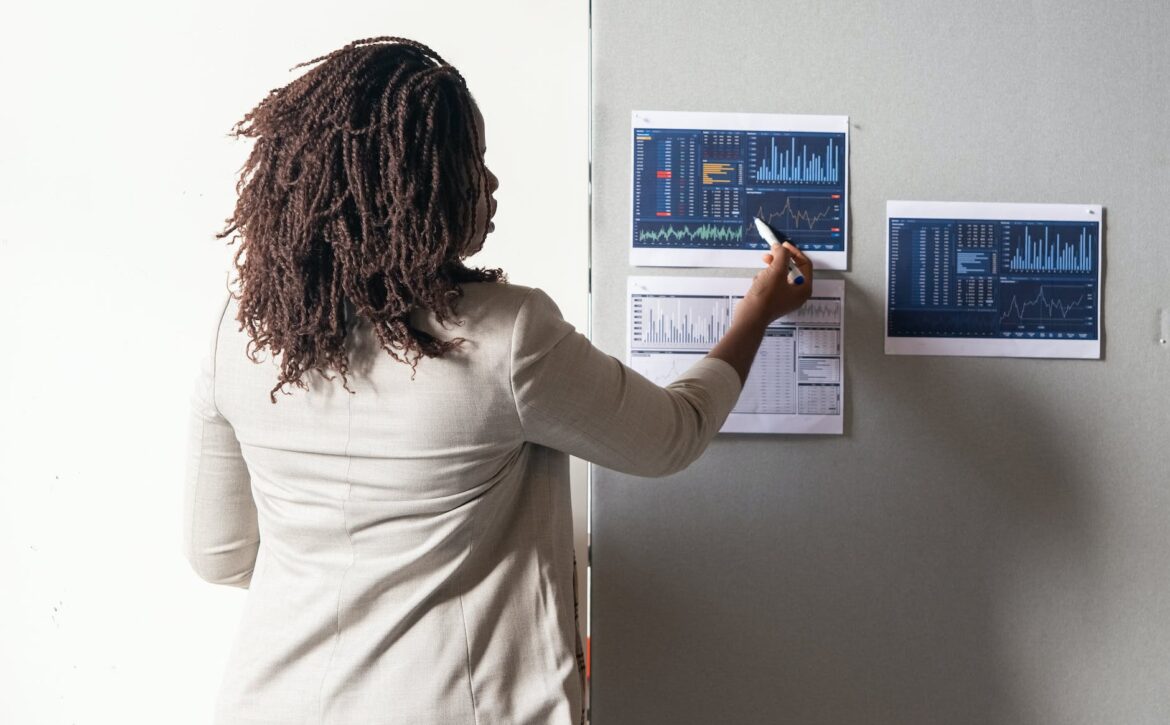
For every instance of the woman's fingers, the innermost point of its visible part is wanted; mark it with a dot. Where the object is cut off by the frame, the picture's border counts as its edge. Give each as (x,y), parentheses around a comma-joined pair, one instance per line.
(780,257)
(798,256)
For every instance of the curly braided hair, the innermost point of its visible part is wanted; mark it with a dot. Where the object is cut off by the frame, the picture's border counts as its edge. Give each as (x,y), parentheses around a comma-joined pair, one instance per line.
(363,185)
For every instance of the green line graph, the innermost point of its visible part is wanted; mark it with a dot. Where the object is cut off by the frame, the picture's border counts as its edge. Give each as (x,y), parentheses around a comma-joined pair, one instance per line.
(695,233)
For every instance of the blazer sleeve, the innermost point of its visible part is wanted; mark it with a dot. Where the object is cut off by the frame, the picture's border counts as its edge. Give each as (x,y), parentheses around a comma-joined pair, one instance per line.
(575,398)
(220,529)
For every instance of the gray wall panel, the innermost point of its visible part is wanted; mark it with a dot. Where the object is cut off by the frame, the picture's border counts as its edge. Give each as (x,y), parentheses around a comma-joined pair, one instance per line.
(989,542)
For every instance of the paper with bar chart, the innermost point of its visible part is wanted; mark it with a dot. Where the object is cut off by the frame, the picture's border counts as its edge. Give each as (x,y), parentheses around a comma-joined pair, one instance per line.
(1005,280)
(698,180)
(797,382)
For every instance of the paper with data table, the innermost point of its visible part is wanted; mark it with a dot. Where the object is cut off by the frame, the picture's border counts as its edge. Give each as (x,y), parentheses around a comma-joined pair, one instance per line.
(700,179)
(797,382)
(1005,280)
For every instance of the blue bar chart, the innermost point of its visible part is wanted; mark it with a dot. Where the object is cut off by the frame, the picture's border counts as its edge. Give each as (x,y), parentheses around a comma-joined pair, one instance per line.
(1062,248)
(803,160)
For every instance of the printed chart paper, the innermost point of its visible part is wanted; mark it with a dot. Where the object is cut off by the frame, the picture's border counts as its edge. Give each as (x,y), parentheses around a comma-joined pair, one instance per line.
(1009,280)
(699,179)
(797,382)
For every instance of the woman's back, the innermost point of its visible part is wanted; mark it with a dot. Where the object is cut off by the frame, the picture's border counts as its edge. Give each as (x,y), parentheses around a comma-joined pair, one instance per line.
(415,559)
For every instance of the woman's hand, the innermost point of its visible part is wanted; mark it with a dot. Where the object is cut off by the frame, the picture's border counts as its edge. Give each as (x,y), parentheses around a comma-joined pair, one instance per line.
(771,294)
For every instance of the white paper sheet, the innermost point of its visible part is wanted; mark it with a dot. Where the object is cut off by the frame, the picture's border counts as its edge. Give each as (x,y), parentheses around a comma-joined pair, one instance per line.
(797,382)
(980,279)
(698,180)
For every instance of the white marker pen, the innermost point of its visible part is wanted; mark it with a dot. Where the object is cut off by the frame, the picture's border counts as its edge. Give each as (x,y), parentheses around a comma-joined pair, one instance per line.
(795,276)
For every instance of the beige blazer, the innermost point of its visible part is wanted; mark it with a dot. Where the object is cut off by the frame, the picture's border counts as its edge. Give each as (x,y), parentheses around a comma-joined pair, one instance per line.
(408,549)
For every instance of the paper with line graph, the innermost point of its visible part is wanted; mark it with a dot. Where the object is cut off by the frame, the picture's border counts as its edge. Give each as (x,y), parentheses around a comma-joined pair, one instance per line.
(699,179)
(1005,280)
(797,382)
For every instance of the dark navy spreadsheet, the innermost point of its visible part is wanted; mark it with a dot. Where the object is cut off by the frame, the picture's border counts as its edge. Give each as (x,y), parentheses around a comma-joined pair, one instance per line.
(1026,279)
(699,189)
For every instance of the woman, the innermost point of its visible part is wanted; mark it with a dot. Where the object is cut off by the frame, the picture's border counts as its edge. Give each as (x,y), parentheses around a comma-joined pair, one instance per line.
(405,530)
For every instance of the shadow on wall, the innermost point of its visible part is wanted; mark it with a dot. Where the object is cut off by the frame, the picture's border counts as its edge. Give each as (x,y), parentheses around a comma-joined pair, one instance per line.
(901,574)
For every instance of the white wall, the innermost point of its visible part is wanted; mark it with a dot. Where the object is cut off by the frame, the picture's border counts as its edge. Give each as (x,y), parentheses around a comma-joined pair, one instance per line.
(115,172)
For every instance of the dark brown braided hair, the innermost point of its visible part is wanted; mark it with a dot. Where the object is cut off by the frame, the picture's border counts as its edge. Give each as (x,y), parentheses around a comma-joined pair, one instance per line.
(364,184)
